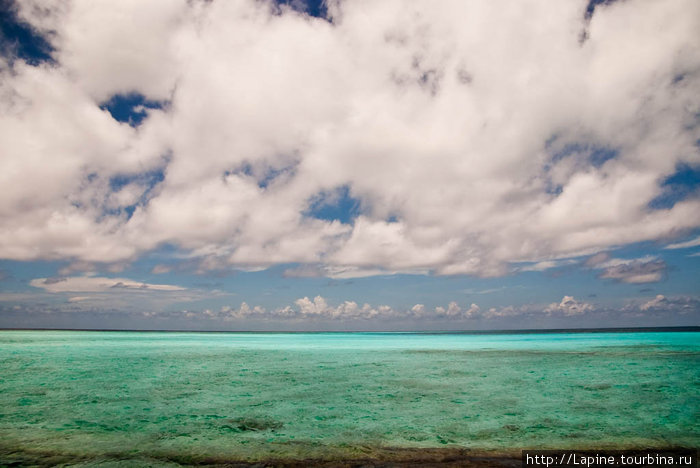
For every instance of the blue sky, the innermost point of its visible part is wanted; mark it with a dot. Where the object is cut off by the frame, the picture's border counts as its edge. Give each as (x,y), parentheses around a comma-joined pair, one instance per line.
(349,165)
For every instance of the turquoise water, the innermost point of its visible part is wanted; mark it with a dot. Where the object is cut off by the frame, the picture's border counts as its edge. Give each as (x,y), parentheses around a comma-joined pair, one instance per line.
(163,399)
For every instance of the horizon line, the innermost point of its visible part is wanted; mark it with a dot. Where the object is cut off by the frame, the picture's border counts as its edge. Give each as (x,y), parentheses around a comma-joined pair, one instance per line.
(681,328)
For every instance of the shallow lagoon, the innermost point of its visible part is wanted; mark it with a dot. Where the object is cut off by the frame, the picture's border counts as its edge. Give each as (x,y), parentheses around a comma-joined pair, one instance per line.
(142,398)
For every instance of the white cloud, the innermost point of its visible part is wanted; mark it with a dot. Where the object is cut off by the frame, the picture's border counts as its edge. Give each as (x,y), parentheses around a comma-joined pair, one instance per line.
(647,269)
(318,308)
(165,304)
(484,291)
(466,131)
(344,272)
(547,264)
(636,271)
(303,309)
(97,284)
(569,306)
(454,311)
(659,300)
(675,304)
(78,298)
(568,311)
(683,245)
(598,260)
(506,312)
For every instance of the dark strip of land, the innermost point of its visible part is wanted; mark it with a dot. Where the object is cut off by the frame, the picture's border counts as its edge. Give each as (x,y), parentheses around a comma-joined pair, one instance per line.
(447,457)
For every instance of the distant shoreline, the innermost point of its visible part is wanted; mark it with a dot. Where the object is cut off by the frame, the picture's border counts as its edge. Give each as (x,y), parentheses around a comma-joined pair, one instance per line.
(692,328)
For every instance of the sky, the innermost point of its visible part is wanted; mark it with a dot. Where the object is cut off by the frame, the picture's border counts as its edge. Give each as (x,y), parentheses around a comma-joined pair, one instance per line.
(349,165)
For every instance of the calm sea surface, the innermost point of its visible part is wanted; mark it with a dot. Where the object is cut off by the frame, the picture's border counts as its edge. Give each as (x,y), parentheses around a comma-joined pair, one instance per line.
(163,399)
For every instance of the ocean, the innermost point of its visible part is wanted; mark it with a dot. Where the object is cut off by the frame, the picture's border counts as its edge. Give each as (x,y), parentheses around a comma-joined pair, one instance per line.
(104,398)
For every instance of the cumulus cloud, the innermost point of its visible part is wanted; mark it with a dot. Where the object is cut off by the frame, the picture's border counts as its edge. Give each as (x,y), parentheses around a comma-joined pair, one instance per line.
(569,306)
(302,309)
(676,304)
(318,308)
(453,311)
(469,136)
(319,311)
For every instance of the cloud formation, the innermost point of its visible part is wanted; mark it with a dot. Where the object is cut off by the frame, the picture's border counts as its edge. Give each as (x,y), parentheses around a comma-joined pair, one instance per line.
(636,271)
(649,269)
(677,304)
(318,308)
(684,245)
(97,284)
(568,307)
(468,137)
(568,311)
(157,307)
